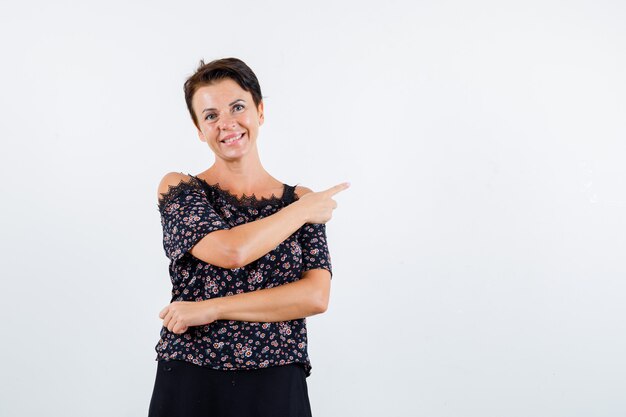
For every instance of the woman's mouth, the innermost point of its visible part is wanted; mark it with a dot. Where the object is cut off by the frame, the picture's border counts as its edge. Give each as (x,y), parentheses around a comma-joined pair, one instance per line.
(231,141)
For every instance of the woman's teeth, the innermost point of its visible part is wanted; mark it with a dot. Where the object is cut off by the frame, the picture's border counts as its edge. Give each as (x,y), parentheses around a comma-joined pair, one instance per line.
(232,139)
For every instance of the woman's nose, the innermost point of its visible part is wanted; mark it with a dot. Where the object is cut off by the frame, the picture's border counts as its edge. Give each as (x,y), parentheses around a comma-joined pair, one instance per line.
(228,122)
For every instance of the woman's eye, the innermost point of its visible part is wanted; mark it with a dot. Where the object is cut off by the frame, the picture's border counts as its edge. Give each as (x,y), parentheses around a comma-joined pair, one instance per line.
(238,105)
(210,116)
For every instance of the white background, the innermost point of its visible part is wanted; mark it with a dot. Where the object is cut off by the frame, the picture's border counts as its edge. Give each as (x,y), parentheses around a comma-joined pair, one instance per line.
(478,256)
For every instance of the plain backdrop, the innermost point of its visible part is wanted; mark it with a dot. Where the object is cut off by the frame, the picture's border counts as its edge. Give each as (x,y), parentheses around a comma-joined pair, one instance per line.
(478,256)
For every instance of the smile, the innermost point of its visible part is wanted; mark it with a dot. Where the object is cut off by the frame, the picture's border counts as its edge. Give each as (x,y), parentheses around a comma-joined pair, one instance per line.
(232,140)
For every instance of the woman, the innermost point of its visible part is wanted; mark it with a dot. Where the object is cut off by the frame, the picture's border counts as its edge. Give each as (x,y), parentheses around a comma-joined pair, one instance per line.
(248,262)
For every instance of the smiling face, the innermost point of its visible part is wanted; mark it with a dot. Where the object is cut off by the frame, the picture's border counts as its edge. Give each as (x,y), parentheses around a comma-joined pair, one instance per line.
(228,120)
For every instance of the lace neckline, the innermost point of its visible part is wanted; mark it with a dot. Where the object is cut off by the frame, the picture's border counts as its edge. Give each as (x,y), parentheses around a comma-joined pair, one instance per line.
(251,200)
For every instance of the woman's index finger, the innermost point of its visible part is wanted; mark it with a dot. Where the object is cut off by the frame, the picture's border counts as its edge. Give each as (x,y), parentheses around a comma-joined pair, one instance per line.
(337,188)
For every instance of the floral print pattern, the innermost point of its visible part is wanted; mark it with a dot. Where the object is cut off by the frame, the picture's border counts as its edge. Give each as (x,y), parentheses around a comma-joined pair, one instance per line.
(194,208)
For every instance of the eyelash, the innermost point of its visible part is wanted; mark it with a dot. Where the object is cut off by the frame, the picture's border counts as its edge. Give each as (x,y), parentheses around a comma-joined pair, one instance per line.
(213,114)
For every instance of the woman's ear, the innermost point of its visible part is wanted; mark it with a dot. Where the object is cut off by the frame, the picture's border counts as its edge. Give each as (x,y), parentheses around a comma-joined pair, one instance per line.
(261,113)
(201,135)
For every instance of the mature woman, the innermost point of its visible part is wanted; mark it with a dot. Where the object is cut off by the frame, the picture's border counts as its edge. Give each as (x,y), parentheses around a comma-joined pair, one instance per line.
(248,262)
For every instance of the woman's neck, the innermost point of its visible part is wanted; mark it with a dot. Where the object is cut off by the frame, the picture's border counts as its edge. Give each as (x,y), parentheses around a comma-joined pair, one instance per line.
(240,178)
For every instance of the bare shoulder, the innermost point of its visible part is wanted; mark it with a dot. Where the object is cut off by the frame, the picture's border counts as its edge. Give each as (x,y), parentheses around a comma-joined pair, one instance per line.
(300,190)
(170,179)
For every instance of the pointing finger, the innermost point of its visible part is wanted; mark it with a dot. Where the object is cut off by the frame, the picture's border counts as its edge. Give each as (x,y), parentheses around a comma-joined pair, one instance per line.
(339,187)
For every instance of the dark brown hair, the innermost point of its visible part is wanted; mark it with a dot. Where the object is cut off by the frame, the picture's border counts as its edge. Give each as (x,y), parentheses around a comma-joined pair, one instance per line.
(219,69)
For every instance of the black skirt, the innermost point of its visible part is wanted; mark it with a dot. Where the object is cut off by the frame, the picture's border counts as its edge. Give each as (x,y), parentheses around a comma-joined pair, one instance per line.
(187,390)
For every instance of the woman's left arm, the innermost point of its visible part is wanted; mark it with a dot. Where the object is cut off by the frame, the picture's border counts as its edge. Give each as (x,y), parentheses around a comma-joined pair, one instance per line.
(303,298)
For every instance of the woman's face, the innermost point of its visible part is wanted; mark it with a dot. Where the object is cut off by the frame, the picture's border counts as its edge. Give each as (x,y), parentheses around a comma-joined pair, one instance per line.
(226,111)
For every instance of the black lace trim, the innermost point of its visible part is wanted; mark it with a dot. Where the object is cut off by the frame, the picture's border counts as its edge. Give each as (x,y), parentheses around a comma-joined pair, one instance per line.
(245,200)
(174,190)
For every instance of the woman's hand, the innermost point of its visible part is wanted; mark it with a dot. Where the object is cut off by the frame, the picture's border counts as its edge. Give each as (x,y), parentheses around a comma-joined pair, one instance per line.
(319,206)
(180,315)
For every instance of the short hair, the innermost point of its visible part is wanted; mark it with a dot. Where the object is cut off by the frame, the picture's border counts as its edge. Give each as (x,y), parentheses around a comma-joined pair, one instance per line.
(219,69)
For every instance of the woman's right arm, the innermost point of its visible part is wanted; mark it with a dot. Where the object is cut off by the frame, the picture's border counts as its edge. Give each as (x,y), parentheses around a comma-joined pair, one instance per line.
(243,244)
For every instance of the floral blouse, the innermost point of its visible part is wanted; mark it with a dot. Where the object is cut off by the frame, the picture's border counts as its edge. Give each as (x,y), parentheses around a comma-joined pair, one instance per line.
(189,211)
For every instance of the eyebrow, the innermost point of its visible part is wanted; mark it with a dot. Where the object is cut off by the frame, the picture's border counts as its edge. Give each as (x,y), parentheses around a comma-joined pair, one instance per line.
(230,104)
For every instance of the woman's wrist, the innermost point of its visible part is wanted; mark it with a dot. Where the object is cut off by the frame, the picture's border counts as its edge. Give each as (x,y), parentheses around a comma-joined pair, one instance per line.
(301,210)
(211,310)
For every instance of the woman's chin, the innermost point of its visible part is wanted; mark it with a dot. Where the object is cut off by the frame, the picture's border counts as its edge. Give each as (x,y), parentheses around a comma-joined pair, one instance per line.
(234,154)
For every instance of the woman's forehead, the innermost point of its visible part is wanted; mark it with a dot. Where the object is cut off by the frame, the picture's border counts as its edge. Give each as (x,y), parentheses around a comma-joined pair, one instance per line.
(223,91)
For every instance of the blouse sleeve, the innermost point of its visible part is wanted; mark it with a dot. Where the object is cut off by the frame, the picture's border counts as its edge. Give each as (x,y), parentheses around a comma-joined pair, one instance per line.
(315,254)
(186,216)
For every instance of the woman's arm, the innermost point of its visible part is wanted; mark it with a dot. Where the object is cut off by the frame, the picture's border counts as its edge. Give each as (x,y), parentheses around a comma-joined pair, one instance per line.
(303,298)
(243,244)
(249,241)
(240,245)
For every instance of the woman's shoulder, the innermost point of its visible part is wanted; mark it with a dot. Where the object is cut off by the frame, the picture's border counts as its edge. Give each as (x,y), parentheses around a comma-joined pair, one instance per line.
(301,190)
(171,180)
